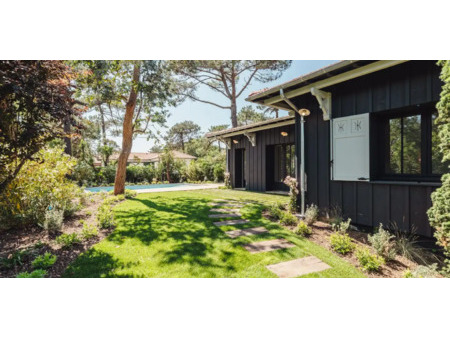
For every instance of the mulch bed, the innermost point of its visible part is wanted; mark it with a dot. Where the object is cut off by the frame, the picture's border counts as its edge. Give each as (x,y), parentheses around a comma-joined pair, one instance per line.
(38,241)
(321,232)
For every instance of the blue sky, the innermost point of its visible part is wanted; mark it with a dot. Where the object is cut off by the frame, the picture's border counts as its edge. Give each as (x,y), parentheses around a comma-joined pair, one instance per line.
(206,115)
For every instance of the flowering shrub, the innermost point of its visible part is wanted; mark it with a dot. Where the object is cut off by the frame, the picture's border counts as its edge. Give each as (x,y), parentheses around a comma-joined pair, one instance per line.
(291,182)
(311,214)
(40,186)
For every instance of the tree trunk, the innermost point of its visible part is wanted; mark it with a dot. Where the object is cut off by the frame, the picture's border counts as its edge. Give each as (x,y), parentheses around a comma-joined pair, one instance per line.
(234,122)
(127,138)
(103,125)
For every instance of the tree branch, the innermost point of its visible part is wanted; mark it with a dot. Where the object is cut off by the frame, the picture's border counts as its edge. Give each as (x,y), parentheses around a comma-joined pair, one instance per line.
(209,102)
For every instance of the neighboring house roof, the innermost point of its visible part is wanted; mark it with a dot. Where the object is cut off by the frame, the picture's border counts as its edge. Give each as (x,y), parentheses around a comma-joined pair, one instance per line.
(152,157)
(267,124)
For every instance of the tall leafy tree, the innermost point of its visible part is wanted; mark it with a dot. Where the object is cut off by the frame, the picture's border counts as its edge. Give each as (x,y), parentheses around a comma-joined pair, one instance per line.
(36,105)
(135,93)
(248,115)
(439,213)
(181,133)
(218,127)
(228,77)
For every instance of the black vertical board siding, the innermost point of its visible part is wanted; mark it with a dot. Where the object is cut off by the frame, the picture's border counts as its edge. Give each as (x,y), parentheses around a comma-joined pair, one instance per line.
(398,89)
(348,201)
(399,206)
(380,204)
(363,203)
(418,83)
(418,206)
(263,161)
(323,162)
(311,156)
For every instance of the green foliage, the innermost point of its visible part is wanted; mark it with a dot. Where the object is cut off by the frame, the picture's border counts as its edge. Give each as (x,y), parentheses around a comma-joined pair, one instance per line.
(35,97)
(34,274)
(129,194)
(44,261)
(439,213)
(89,231)
(288,219)
(422,271)
(40,185)
(15,259)
(249,115)
(107,174)
(275,211)
(291,182)
(369,261)
(181,133)
(341,243)
(105,216)
(68,240)
(53,219)
(302,229)
(382,243)
(311,214)
(342,227)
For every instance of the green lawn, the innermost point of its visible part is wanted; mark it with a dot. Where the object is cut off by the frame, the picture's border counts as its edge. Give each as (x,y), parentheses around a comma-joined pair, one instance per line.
(170,235)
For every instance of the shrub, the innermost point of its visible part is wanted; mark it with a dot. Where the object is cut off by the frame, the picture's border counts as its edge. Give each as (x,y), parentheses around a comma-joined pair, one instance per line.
(35,274)
(107,174)
(227,177)
(288,219)
(341,243)
(39,185)
(439,213)
(53,219)
(275,212)
(14,259)
(89,231)
(334,215)
(130,193)
(302,229)
(422,271)
(369,261)
(382,244)
(343,226)
(291,182)
(105,216)
(44,261)
(311,214)
(68,240)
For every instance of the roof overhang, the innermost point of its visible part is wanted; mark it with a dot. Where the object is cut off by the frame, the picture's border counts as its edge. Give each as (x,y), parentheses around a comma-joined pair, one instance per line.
(336,73)
(254,127)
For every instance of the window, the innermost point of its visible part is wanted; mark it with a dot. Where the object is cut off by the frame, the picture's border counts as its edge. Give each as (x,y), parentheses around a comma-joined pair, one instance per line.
(409,146)
(284,161)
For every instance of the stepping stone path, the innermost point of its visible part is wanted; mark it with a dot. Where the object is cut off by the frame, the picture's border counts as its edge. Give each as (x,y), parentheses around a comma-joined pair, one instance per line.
(246,232)
(264,246)
(231,222)
(298,267)
(292,268)
(224,210)
(224,215)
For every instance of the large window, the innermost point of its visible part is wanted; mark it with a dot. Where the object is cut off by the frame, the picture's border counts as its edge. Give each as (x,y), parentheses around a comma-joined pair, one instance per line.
(284,161)
(409,146)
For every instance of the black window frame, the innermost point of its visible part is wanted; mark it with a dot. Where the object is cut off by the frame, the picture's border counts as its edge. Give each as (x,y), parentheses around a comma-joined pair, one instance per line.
(380,144)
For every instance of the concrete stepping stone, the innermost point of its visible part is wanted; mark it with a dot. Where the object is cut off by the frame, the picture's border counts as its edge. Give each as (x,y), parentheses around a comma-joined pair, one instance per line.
(231,222)
(227,205)
(264,246)
(224,210)
(224,215)
(246,232)
(298,267)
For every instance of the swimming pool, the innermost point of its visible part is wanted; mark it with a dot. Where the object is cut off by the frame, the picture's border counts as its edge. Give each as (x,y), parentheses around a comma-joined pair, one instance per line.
(139,187)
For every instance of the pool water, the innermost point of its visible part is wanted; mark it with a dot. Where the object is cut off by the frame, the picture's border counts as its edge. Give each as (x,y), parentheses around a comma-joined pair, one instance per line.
(139,187)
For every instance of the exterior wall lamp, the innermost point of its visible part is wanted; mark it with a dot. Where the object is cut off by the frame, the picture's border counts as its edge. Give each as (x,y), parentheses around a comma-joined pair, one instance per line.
(235,141)
(284,133)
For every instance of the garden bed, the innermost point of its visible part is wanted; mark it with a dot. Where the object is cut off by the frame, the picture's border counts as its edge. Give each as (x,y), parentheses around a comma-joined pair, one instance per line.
(321,232)
(34,241)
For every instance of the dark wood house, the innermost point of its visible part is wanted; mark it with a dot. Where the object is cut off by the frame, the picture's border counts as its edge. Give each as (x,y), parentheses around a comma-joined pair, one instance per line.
(369,141)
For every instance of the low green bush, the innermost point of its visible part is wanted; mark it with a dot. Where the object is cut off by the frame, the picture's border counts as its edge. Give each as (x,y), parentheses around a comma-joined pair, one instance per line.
(422,271)
(288,219)
(15,259)
(342,227)
(275,212)
(382,243)
(89,231)
(105,216)
(130,193)
(311,214)
(44,261)
(341,243)
(53,219)
(68,240)
(368,261)
(302,229)
(34,274)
